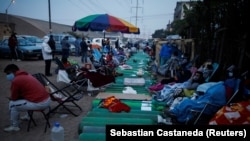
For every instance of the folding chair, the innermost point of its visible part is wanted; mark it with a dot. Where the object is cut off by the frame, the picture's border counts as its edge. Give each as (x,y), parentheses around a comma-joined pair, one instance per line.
(59,63)
(63,96)
(45,115)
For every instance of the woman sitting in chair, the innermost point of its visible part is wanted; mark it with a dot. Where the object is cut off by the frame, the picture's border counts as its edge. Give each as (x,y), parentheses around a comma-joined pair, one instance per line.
(71,69)
(66,63)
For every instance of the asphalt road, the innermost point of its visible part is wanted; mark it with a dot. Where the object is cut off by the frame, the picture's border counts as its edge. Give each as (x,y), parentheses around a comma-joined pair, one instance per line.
(69,122)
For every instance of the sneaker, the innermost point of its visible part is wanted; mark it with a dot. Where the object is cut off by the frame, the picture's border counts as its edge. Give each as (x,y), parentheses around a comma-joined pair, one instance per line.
(25,117)
(18,60)
(11,128)
(166,121)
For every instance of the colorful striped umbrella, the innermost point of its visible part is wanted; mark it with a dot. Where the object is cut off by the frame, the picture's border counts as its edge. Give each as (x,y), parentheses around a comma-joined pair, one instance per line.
(101,22)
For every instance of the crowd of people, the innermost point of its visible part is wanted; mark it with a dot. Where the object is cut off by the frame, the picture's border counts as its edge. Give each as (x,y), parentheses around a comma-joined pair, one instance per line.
(182,85)
(185,86)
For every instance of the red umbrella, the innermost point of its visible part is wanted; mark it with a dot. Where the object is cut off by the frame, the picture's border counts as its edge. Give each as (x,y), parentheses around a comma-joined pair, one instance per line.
(101,22)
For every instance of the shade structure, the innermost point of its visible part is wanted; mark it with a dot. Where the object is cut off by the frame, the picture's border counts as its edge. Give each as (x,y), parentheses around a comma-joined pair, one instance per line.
(101,22)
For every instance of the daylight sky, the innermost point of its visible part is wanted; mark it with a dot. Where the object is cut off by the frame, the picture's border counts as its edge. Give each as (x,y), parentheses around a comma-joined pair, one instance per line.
(151,14)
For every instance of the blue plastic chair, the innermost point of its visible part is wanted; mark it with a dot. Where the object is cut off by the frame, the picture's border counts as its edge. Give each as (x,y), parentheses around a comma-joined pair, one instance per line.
(215,68)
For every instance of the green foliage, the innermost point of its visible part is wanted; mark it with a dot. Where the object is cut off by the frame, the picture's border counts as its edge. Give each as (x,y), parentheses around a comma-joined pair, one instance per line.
(161,33)
(219,29)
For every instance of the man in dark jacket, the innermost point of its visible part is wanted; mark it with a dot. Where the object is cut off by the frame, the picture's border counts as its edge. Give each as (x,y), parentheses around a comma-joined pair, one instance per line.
(13,42)
(65,47)
(84,50)
(52,45)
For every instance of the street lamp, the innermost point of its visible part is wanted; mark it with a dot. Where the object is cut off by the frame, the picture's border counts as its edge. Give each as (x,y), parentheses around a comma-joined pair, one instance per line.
(50,28)
(6,11)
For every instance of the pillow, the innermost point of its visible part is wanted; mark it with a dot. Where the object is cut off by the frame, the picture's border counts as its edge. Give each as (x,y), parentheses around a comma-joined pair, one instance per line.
(205,86)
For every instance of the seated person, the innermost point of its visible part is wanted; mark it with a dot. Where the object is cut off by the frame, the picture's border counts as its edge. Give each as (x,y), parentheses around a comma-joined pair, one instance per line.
(111,64)
(71,69)
(214,94)
(170,92)
(65,62)
(121,56)
(96,63)
(207,69)
(172,65)
(30,95)
(95,77)
(189,88)
(184,60)
(191,84)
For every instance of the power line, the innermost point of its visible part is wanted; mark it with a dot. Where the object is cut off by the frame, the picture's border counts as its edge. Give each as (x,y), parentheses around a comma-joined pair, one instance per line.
(136,12)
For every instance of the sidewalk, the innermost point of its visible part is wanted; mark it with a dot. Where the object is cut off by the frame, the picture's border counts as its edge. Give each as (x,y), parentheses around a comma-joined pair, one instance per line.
(69,122)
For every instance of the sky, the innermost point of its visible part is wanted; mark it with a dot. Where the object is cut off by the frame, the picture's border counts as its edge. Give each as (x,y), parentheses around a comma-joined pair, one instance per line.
(151,14)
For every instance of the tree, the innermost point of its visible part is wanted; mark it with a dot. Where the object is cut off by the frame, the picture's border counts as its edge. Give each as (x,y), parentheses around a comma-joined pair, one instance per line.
(161,33)
(219,29)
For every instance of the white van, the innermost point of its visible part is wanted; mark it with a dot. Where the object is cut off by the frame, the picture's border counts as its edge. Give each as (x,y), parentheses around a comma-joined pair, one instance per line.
(97,41)
(112,40)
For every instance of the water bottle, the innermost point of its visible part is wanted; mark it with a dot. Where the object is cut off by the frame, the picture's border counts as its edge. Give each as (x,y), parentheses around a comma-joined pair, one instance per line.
(57,132)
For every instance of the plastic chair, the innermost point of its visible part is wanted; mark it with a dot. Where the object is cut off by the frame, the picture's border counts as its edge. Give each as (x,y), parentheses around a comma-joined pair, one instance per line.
(64,97)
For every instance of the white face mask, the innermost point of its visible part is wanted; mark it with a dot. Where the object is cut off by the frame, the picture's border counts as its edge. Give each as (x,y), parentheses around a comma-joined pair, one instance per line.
(230,74)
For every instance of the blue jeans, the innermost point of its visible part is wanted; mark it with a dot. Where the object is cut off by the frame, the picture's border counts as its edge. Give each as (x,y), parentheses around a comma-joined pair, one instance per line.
(17,106)
(84,57)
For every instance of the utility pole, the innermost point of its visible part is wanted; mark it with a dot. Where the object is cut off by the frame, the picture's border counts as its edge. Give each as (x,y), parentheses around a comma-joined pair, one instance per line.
(136,12)
(50,28)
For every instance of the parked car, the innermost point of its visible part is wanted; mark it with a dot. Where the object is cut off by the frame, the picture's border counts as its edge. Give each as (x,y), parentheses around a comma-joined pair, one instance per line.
(25,49)
(58,38)
(34,39)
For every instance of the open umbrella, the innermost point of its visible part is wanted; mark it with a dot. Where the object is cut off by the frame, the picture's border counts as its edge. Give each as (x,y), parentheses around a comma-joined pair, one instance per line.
(101,22)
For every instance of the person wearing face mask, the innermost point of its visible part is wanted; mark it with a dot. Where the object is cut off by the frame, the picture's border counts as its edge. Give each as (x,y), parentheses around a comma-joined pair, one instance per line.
(27,93)
(231,81)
